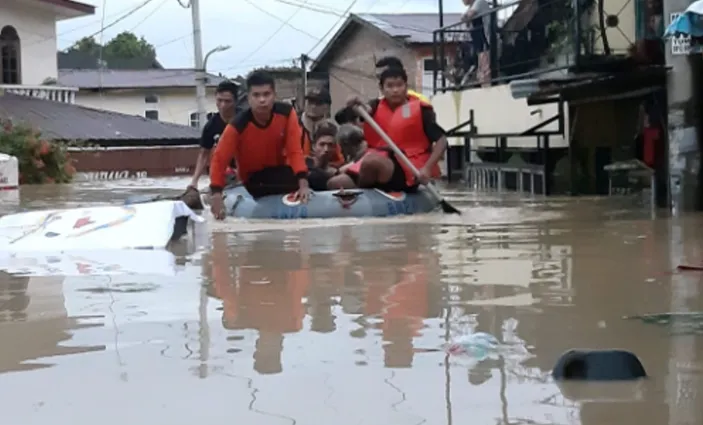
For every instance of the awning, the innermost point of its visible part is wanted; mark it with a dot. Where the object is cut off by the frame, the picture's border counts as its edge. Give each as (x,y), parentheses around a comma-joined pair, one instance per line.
(601,87)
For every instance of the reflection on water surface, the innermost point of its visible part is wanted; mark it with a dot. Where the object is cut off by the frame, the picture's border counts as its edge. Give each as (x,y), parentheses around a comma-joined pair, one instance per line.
(341,322)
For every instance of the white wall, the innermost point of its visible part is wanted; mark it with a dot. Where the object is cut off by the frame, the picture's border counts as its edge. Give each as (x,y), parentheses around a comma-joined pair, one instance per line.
(496,112)
(37,32)
(174,105)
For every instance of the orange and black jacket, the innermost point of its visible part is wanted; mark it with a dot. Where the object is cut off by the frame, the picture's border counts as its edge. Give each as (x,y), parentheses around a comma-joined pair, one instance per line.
(255,147)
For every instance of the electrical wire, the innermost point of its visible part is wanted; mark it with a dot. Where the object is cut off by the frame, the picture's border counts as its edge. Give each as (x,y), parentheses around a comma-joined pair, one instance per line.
(149,15)
(120,19)
(256,6)
(324,37)
(273,34)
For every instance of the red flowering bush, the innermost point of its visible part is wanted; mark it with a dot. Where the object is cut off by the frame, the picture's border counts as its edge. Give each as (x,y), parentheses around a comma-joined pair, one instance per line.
(40,161)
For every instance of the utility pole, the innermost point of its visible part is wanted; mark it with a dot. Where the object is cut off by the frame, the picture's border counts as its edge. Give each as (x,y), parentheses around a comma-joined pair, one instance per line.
(304,67)
(200,76)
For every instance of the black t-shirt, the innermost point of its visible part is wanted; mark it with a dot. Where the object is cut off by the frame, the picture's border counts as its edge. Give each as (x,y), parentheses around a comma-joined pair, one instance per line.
(214,127)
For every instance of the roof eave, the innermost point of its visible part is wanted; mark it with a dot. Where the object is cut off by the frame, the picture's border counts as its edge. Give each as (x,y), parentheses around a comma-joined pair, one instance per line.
(70,8)
(356,19)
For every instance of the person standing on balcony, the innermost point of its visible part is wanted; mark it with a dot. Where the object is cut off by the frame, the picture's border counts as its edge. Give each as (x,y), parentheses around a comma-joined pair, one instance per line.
(477,17)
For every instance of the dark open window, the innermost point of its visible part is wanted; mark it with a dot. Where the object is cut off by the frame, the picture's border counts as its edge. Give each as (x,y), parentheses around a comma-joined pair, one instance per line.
(10,56)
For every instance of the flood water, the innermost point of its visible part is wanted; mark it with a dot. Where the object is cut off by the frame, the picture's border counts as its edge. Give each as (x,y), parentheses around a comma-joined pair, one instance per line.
(340,322)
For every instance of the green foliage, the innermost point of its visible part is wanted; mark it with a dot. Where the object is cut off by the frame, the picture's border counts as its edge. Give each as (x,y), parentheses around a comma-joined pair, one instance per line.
(40,161)
(85,45)
(125,45)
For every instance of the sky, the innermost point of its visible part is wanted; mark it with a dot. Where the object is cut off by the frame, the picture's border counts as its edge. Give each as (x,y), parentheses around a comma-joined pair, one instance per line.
(256,30)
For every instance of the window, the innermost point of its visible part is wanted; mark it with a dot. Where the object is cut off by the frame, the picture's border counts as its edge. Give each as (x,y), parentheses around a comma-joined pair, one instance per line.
(151,98)
(428,67)
(10,56)
(151,114)
(195,122)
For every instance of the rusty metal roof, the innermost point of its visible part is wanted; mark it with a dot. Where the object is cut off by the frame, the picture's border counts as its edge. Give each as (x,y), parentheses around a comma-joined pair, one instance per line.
(131,78)
(63,121)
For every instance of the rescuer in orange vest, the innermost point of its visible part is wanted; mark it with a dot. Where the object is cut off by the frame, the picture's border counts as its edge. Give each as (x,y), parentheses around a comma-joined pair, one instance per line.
(411,124)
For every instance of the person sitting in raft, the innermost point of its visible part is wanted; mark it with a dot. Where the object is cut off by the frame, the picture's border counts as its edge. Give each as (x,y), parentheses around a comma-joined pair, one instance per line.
(264,140)
(317,113)
(412,125)
(350,138)
(324,153)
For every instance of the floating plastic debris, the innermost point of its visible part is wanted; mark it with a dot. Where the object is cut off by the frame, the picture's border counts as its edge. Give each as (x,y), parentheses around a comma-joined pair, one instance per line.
(479,345)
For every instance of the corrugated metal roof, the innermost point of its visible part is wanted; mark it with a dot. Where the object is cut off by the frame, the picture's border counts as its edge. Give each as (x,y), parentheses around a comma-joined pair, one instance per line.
(414,27)
(63,121)
(131,78)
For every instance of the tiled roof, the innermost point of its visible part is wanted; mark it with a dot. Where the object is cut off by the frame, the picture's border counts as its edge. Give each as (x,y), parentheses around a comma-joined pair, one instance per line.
(82,60)
(413,27)
(63,121)
(131,78)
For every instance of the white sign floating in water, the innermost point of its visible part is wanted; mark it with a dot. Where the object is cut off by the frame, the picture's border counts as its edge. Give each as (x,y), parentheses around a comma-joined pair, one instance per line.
(148,225)
(148,262)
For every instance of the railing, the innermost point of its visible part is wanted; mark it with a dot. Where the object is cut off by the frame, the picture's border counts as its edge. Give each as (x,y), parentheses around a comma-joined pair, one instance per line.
(524,41)
(523,178)
(53,93)
(633,177)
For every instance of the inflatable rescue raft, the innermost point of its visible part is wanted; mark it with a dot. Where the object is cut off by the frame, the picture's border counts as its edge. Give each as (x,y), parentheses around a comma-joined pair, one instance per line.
(327,204)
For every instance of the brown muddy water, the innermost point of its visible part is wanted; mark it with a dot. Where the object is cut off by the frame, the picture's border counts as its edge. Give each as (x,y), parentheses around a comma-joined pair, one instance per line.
(338,322)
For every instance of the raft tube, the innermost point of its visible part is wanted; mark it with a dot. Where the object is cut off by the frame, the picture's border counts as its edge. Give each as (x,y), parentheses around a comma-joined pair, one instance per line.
(328,204)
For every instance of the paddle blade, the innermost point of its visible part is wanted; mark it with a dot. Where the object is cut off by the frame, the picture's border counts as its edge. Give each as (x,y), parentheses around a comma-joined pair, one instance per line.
(145,199)
(448,208)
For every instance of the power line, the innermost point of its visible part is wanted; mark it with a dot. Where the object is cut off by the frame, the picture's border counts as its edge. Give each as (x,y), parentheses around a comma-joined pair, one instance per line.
(280,20)
(312,7)
(273,34)
(121,18)
(343,16)
(149,15)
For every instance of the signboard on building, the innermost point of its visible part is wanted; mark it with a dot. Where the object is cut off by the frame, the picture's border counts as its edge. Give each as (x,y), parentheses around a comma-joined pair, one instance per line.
(680,45)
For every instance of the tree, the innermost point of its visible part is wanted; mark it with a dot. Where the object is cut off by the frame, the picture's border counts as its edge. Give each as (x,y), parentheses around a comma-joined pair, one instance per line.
(85,45)
(125,45)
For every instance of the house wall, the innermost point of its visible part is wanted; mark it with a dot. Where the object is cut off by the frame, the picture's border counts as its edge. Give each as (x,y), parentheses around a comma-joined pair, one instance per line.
(423,75)
(133,162)
(37,33)
(352,70)
(175,105)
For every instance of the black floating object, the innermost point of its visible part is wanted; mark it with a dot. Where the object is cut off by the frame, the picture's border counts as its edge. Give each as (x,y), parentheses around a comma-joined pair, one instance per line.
(598,365)
(180,228)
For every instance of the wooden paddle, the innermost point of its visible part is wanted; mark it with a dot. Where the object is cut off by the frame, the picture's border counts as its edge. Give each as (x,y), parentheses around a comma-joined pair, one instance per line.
(446,206)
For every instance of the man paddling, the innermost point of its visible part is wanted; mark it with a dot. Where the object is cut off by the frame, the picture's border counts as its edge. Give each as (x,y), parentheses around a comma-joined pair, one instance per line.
(412,125)
(225,100)
(265,143)
(394,62)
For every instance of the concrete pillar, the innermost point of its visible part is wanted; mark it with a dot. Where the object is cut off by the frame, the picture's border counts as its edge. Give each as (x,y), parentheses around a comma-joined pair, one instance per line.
(684,155)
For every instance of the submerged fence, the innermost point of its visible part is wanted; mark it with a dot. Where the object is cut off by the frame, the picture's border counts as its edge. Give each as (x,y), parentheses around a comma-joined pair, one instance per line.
(523,178)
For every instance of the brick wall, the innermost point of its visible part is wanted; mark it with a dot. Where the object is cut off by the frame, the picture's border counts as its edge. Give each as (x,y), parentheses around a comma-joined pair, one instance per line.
(352,72)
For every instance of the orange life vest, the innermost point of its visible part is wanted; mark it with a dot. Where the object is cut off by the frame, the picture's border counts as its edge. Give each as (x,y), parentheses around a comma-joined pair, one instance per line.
(356,166)
(405,127)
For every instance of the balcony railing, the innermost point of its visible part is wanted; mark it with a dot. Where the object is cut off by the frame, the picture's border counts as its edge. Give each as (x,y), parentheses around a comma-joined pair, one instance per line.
(54,93)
